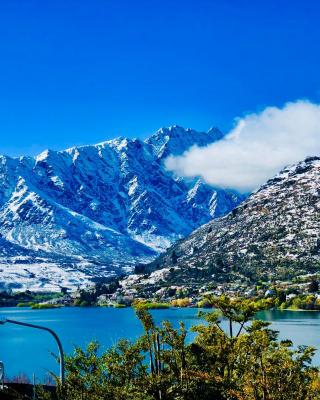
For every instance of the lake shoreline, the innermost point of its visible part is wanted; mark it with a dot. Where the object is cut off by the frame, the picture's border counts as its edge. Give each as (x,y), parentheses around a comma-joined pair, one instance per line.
(54,307)
(108,325)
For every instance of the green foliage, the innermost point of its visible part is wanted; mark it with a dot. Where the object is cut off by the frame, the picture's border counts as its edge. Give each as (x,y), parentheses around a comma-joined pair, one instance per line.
(26,304)
(299,302)
(204,303)
(149,305)
(44,306)
(25,299)
(232,357)
(302,302)
(183,302)
(117,305)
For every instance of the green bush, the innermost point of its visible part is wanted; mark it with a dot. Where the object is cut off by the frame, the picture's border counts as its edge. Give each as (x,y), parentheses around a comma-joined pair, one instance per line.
(44,306)
(26,304)
(148,305)
(243,362)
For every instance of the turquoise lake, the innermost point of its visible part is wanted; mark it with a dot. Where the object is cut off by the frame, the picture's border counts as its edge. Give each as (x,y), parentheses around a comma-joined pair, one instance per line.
(26,350)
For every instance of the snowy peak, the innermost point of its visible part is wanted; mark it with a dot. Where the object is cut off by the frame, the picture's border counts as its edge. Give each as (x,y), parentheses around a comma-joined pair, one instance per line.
(110,205)
(175,140)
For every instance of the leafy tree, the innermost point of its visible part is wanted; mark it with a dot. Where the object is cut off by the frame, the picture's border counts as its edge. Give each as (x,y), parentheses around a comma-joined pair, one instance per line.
(233,357)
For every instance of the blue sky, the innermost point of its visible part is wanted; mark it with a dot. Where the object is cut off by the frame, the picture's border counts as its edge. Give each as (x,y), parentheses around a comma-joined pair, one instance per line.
(78,72)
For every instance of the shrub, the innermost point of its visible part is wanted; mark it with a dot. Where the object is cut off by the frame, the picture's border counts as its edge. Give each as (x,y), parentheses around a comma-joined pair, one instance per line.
(147,305)
(44,306)
(245,361)
(26,304)
(185,302)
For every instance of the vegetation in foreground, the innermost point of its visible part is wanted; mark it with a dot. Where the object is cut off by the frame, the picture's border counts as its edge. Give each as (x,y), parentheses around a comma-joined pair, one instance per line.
(232,357)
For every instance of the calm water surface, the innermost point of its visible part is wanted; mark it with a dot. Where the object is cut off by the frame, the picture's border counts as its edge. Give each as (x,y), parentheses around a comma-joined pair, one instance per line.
(29,351)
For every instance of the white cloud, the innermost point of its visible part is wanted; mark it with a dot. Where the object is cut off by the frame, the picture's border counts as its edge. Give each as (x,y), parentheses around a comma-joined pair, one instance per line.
(256,149)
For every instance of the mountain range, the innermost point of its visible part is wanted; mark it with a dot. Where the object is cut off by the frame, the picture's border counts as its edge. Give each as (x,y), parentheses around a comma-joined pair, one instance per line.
(67,217)
(273,235)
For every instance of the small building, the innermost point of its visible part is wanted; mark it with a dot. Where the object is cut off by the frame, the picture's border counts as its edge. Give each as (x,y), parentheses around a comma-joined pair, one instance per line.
(270,293)
(290,296)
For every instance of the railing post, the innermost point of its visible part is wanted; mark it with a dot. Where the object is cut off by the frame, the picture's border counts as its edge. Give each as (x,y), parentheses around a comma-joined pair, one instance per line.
(1,375)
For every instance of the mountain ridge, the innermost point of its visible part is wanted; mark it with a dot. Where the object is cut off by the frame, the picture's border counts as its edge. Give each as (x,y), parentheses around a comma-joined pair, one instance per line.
(105,207)
(274,234)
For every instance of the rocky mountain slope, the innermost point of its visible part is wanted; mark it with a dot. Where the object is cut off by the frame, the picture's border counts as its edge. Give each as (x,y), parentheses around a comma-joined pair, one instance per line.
(274,234)
(96,210)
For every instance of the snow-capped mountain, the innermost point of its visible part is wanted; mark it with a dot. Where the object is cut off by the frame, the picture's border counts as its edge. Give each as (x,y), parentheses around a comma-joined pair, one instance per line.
(274,234)
(99,209)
